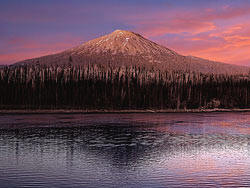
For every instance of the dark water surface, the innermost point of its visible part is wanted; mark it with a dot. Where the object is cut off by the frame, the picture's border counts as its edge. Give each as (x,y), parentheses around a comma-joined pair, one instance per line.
(125,150)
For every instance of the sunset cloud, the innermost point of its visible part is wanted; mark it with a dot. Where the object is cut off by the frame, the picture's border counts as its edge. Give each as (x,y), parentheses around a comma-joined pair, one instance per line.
(177,25)
(185,21)
(233,48)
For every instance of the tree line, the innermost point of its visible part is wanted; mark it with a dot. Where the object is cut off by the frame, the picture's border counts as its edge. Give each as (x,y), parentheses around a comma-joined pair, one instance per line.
(94,86)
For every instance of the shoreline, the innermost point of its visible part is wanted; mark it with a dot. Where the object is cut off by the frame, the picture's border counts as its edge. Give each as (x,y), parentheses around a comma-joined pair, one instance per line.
(64,111)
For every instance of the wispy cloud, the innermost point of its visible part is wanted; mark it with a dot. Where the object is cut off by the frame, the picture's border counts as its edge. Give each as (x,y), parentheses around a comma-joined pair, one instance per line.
(181,20)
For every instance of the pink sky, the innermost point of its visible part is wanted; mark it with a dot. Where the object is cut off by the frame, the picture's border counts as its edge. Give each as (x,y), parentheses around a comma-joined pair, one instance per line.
(213,30)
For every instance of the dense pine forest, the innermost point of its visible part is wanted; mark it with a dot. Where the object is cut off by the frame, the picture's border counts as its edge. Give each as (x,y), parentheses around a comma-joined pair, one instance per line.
(98,87)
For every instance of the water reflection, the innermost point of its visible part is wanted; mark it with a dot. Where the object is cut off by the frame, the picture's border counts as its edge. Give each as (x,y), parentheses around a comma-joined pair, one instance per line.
(125,150)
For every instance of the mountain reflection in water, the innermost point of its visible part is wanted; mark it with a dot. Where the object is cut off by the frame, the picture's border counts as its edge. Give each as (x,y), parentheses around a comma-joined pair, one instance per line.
(125,150)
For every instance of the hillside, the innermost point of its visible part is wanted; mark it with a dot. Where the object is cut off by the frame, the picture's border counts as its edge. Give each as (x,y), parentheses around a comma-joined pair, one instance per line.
(125,48)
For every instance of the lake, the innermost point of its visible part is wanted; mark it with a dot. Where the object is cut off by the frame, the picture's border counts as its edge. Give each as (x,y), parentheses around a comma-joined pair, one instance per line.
(125,150)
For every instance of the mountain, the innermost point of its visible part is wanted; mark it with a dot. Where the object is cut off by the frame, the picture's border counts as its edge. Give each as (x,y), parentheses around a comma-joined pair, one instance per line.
(125,48)
(123,71)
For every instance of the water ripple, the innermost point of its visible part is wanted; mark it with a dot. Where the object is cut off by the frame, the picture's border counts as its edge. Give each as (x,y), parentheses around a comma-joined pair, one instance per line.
(125,150)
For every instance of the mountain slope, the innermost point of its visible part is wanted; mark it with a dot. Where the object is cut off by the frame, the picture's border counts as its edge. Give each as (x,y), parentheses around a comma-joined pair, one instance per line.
(125,48)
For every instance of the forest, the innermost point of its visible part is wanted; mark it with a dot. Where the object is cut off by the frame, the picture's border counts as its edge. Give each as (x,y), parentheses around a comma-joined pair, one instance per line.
(93,86)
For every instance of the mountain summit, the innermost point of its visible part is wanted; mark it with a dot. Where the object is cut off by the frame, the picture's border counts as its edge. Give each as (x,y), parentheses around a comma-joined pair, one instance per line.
(125,48)
(125,42)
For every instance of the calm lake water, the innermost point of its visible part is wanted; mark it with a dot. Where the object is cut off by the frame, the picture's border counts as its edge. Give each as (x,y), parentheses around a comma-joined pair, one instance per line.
(125,150)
